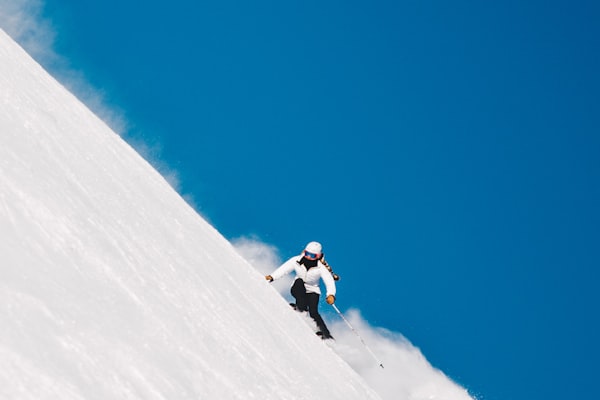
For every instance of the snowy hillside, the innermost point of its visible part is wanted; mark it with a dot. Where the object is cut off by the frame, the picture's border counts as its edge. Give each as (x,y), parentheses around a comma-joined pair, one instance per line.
(112,287)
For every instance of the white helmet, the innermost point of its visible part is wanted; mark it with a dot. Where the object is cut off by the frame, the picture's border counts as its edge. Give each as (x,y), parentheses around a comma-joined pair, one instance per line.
(313,250)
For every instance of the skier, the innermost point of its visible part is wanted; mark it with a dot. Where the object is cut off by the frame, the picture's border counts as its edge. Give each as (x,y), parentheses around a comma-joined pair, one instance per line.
(310,266)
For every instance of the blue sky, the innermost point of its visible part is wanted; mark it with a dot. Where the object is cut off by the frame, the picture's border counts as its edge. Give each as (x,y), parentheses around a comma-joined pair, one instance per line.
(446,155)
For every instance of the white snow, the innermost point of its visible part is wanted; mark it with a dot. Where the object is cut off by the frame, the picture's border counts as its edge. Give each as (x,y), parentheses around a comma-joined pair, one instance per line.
(112,287)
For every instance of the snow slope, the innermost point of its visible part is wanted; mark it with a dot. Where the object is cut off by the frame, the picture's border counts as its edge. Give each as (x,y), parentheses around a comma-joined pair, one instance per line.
(112,287)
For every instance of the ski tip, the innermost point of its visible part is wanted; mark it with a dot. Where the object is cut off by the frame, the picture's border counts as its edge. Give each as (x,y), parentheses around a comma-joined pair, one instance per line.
(324,337)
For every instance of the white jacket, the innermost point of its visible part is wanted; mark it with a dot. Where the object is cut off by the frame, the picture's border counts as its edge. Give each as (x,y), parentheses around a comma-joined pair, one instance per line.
(310,277)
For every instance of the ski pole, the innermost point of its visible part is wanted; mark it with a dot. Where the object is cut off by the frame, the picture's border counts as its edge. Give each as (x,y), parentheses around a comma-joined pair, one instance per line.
(354,330)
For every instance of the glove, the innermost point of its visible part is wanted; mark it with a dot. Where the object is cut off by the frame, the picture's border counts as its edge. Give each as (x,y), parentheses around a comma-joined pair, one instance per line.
(269,278)
(330,299)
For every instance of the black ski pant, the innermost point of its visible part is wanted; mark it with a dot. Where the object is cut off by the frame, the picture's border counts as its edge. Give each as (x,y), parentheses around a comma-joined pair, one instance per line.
(308,302)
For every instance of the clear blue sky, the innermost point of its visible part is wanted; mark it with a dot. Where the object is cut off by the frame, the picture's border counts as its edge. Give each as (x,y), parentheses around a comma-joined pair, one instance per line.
(447,155)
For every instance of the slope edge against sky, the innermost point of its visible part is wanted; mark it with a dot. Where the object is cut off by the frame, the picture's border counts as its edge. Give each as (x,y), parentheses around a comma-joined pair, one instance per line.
(114,287)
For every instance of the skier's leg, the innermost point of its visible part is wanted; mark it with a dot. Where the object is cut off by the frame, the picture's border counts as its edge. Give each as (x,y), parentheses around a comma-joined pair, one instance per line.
(299,293)
(313,310)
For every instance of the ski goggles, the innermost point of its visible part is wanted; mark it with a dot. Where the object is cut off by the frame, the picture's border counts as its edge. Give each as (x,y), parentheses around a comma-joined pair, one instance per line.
(311,256)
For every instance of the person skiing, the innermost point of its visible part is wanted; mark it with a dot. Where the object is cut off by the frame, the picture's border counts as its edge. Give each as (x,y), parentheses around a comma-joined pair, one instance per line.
(310,267)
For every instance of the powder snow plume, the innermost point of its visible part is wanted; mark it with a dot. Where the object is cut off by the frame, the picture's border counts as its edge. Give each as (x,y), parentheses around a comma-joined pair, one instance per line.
(406,374)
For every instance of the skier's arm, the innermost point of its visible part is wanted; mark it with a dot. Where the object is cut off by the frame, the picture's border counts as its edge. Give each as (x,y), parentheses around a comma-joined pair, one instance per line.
(329,282)
(284,269)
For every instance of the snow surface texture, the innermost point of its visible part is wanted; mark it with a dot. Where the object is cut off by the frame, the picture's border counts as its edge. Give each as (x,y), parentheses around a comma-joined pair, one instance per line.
(114,288)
